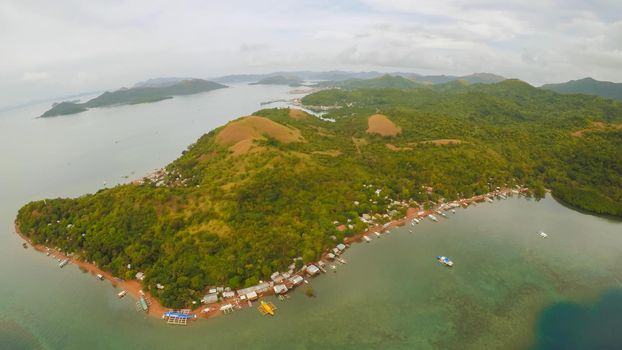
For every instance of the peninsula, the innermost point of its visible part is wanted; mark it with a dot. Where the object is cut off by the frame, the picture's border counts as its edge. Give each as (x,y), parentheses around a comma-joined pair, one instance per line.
(276,190)
(136,95)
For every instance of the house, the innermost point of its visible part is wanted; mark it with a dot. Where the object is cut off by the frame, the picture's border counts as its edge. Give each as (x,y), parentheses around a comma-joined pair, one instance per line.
(228,294)
(276,277)
(252,296)
(296,280)
(140,276)
(280,289)
(312,270)
(210,298)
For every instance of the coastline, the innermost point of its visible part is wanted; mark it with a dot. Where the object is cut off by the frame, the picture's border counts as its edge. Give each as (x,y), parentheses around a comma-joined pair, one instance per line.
(134,288)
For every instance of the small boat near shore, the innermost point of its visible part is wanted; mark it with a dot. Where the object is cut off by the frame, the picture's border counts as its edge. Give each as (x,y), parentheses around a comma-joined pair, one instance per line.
(121,294)
(63,263)
(24,245)
(377,234)
(367,239)
(100,277)
(433,218)
(445,261)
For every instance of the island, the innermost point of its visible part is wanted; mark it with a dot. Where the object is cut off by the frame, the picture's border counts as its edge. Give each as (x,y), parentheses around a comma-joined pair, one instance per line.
(289,80)
(143,93)
(277,190)
(588,86)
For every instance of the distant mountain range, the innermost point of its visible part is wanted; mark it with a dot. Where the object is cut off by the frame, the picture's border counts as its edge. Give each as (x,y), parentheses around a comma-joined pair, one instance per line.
(588,86)
(340,76)
(152,90)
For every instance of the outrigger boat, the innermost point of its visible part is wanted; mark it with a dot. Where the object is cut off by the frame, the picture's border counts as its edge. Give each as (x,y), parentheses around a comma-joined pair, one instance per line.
(266,308)
(445,261)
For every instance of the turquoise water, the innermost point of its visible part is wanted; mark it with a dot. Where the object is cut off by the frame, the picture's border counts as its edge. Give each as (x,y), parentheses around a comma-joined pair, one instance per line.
(392,294)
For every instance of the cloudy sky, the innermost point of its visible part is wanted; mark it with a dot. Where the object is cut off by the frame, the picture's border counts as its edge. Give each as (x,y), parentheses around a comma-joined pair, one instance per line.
(55,48)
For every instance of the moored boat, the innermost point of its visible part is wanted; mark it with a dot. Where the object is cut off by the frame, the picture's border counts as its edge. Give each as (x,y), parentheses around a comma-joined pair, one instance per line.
(445,261)
(433,218)
(63,263)
(367,239)
(121,294)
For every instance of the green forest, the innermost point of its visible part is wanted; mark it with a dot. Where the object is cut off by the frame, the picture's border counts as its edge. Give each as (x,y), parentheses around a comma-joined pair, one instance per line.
(246,199)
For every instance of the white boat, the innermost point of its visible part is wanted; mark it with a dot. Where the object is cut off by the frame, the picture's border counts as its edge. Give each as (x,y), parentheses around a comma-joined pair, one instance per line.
(445,261)
(121,294)
(367,239)
(489,199)
(433,218)
(415,221)
(63,263)
(377,234)
(543,235)
(100,276)
(453,211)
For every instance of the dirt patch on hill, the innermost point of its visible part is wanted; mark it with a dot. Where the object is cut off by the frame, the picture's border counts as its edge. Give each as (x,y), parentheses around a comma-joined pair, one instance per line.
(382,125)
(397,149)
(331,153)
(597,126)
(358,143)
(241,134)
(298,114)
(444,142)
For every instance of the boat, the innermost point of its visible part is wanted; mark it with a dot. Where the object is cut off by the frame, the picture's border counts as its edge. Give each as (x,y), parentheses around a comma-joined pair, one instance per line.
(266,308)
(445,261)
(100,277)
(63,263)
(47,254)
(543,235)
(121,294)
(24,245)
(489,199)
(367,239)
(343,261)
(453,211)
(377,234)
(433,218)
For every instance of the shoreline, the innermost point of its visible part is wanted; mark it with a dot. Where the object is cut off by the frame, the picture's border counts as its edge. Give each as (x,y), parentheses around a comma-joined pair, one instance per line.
(156,309)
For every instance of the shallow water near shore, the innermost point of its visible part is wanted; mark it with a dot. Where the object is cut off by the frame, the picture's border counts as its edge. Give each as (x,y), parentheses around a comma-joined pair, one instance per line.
(392,294)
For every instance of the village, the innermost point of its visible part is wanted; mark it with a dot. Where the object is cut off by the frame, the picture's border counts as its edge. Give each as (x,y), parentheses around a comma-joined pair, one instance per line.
(221,300)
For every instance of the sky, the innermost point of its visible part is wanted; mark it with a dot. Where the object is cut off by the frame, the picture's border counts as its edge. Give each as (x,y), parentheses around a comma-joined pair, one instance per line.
(58,48)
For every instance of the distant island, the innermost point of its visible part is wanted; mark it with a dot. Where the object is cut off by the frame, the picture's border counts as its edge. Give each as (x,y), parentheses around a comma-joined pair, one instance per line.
(277,190)
(292,81)
(588,86)
(150,91)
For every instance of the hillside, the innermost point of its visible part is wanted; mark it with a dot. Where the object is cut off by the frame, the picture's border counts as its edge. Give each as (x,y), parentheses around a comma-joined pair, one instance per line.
(280,80)
(588,86)
(382,82)
(136,95)
(248,198)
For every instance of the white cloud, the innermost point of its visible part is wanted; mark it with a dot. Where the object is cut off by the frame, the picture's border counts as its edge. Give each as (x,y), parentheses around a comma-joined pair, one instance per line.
(65,47)
(34,76)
